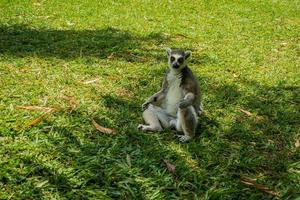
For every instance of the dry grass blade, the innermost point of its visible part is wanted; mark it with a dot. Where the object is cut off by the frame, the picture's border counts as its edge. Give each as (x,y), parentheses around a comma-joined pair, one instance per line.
(103,129)
(297,143)
(125,93)
(181,36)
(72,102)
(171,168)
(37,120)
(251,182)
(35,108)
(246,112)
(91,81)
(128,160)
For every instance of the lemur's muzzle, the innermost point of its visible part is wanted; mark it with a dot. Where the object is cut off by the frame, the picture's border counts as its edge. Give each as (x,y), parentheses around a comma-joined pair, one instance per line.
(176,65)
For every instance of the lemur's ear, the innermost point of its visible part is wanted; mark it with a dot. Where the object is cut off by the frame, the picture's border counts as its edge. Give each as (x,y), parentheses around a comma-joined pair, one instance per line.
(187,54)
(168,50)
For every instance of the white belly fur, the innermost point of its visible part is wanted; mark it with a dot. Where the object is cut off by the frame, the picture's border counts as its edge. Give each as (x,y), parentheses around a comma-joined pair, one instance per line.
(174,94)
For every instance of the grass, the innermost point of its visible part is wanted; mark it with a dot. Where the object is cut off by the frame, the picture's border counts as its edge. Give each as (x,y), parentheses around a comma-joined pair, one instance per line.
(245,53)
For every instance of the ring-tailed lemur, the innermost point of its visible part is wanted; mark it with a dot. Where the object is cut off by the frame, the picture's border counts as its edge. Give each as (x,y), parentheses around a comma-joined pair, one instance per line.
(178,102)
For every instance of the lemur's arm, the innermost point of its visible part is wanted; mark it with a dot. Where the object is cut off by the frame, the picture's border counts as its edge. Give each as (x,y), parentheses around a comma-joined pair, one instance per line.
(187,100)
(158,97)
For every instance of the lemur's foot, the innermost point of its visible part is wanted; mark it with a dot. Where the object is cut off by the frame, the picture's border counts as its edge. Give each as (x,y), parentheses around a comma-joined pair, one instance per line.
(145,128)
(173,123)
(184,138)
(141,127)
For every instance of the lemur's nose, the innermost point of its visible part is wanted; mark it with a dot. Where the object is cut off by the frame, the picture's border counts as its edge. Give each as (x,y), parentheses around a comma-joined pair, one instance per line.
(176,65)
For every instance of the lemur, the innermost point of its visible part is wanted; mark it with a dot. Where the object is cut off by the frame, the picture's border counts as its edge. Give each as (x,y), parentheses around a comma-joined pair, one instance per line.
(178,103)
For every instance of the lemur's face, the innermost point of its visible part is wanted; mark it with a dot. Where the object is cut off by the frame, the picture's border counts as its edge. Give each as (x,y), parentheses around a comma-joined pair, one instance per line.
(177,58)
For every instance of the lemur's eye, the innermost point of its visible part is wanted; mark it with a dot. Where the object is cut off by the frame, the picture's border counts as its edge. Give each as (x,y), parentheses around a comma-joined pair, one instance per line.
(172,59)
(180,60)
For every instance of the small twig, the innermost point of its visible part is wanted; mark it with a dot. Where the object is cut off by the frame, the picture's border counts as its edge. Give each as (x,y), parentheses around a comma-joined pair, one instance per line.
(251,182)
(80,53)
(181,35)
(35,108)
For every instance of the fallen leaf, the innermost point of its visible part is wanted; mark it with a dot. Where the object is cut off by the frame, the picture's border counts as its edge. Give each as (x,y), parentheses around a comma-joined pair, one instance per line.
(171,168)
(114,78)
(72,102)
(246,112)
(111,56)
(103,129)
(253,143)
(37,120)
(128,160)
(91,81)
(41,184)
(297,143)
(251,182)
(283,43)
(35,108)
(70,23)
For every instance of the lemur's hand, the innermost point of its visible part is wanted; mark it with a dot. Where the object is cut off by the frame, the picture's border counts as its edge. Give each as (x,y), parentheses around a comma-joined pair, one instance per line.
(183,104)
(145,105)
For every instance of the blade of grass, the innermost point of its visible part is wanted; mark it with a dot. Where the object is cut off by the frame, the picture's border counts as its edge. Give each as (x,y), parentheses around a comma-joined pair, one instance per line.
(90,81)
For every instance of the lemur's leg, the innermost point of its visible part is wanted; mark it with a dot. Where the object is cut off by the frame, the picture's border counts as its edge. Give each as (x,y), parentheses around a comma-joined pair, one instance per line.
(164,118)
(176,123)
(155,118)
(187,122)
(151,120)
(173,123)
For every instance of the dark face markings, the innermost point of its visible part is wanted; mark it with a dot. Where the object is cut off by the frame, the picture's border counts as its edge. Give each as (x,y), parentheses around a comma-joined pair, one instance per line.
(180,60)
(177,59)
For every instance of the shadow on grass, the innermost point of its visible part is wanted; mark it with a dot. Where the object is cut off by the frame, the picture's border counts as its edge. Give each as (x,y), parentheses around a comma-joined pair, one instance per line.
(108,43)
(260,145)
(99,163)
(129,165)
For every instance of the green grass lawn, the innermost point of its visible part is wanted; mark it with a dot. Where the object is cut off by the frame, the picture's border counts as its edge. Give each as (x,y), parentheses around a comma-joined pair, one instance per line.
(107,58)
